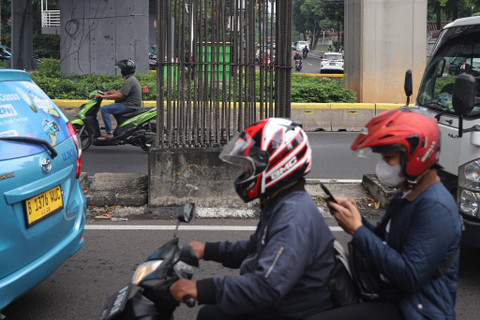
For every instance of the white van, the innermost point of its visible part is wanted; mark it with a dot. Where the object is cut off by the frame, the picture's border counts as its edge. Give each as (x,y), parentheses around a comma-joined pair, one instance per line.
(457,52)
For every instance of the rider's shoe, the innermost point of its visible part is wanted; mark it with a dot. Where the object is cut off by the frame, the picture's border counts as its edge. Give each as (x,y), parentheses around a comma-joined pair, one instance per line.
(106,136)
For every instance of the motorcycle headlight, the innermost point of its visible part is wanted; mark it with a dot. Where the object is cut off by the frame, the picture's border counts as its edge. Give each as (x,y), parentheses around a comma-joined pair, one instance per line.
(469,202)
(145,269)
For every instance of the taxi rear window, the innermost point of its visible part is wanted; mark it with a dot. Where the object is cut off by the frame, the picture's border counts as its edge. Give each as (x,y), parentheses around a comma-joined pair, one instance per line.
(26,111)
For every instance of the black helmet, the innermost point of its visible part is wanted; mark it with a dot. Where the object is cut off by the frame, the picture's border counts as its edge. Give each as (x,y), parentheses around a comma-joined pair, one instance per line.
(127,67)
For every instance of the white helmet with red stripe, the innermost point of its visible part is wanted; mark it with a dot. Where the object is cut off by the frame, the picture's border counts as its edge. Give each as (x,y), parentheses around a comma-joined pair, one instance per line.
(273,153)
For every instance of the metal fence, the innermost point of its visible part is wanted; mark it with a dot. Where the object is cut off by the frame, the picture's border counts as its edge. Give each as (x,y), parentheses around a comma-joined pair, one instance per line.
(221,65)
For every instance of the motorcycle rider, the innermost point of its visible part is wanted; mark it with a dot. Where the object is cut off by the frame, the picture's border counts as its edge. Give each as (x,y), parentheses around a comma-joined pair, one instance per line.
(298,57)
(127,99)
(285,264)
(305,51)
(420,231)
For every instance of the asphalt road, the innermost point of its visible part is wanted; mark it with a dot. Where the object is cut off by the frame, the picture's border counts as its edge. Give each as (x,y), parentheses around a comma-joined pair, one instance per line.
(332,158)
(78,289)
(311,64)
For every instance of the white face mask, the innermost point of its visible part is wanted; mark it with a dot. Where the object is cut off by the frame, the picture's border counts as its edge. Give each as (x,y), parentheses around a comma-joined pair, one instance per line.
(387,174)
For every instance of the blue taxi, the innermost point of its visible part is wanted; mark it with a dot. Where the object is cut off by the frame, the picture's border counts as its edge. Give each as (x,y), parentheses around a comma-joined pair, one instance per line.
(42,206)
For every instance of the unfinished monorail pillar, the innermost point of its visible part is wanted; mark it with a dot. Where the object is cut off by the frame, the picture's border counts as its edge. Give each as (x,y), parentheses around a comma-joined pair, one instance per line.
(383,39)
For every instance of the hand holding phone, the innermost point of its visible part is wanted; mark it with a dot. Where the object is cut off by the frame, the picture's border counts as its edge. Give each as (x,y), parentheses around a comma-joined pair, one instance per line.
(329,194)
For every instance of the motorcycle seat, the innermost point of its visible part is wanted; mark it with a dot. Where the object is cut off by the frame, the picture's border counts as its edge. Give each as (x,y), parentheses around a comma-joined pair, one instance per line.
(133,113)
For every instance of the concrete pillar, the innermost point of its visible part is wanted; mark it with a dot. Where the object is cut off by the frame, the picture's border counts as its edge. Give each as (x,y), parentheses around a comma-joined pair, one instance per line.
(383,39)
(97,34)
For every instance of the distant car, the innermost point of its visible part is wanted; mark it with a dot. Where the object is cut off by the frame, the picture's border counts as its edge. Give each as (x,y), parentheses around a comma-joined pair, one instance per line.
(294,45)
(301,44)
(332,62)
(42,206)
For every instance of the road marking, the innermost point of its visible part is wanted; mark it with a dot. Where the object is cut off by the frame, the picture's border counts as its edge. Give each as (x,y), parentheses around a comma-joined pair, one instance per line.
(185,228)
(339,181)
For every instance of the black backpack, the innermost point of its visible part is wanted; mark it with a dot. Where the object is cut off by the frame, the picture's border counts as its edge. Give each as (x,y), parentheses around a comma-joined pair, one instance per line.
(343,287)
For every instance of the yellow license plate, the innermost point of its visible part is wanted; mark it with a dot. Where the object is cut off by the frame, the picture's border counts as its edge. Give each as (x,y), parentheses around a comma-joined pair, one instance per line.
(43,205)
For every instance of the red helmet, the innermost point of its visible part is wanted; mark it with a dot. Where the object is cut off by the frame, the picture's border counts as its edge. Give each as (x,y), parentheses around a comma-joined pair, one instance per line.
(273,152)
(410,130)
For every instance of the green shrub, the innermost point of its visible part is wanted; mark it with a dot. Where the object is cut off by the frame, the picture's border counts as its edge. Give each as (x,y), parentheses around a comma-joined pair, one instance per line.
(320,90)
(59,86)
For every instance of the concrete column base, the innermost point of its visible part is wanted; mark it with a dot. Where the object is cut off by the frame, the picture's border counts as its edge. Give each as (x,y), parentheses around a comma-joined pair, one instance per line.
(198,176)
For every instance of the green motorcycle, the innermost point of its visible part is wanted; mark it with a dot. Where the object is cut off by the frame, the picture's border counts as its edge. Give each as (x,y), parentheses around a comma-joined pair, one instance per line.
(137,128)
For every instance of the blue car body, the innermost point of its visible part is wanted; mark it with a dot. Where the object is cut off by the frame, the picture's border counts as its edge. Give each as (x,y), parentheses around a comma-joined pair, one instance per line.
(42,206)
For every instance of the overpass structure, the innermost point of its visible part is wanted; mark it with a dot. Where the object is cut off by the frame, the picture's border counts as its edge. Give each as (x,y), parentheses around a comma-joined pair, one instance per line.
(383,39)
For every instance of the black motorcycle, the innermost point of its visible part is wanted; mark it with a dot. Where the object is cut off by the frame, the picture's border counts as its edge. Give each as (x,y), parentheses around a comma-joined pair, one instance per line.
(148,296)
(298,65)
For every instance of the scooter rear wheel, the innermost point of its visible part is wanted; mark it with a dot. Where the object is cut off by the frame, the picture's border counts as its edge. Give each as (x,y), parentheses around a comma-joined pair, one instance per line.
(147,141)
(85,137)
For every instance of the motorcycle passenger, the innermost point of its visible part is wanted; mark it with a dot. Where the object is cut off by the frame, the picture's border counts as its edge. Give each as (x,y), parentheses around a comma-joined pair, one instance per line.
(127,99)
(285,264)
(420,231)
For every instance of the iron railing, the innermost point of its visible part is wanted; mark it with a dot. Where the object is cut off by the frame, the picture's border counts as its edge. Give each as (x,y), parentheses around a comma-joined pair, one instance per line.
(221,65)
(50,18)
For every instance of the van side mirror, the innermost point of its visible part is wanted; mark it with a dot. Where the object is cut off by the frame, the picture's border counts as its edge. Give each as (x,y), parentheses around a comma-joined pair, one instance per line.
(463,96)
(408,86)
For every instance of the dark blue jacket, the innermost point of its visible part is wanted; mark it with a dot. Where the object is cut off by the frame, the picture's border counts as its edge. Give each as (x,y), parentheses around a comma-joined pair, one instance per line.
(284,265)
(425,230)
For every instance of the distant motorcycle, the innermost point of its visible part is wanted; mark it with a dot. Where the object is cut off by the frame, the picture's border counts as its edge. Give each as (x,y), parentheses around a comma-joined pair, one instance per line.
(152,61)
(305,53)
(298,65)
(137,128)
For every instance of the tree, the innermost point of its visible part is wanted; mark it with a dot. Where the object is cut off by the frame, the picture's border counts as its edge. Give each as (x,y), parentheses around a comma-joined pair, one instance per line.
(312,17)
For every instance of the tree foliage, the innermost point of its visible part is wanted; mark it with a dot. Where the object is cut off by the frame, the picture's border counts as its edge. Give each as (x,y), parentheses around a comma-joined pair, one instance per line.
(312,17)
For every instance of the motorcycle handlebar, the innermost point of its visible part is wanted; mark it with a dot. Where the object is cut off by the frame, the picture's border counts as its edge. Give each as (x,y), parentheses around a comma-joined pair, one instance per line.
(189,301)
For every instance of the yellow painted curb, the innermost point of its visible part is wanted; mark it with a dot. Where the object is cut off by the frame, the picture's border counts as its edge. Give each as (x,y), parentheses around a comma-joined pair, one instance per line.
(73,104)
(325,75)
(389,106)
(311,106)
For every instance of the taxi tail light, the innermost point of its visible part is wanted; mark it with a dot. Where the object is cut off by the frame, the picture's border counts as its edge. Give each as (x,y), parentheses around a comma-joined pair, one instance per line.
(78,145)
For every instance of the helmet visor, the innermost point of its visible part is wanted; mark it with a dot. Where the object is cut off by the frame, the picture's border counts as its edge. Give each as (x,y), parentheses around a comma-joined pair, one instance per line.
(375,152)
(242,152)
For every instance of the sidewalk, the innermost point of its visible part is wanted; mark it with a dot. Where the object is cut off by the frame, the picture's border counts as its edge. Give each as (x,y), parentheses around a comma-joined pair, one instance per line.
(128,191)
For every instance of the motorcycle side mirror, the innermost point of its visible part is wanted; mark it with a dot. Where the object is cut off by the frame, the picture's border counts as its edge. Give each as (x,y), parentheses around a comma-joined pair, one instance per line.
(463,97)
(407,85)
(188,255)
(186,212)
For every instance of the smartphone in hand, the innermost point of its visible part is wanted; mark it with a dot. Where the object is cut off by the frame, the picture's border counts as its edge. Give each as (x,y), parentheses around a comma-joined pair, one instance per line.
(329,194)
